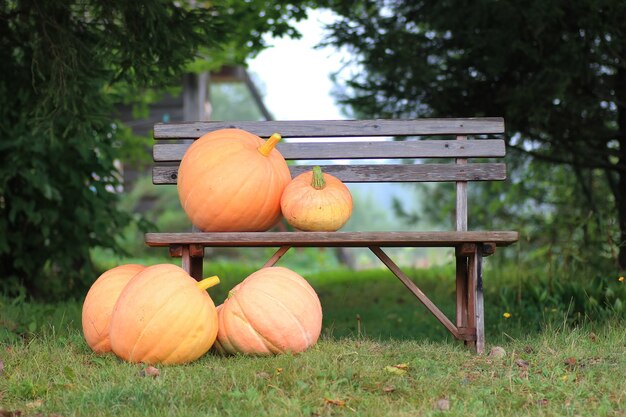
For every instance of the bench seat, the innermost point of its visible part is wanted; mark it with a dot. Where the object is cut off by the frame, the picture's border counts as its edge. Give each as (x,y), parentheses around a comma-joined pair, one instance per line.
(333,239)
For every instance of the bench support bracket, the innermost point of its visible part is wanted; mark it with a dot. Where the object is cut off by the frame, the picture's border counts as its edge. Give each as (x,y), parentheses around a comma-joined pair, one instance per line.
(279,254)
(466,333)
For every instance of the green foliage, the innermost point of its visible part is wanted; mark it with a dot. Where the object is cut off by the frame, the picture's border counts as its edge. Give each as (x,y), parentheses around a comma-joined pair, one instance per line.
(553,69)
(63,66)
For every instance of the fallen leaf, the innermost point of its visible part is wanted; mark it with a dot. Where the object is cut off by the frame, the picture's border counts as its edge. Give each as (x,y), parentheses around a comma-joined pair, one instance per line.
(279,371)
(522,363)
(150,371)
(34,404)
(570,363)
(1,367)
(497,352)
(338,403)
(592,337)
(263,375)
(398,369)
(389,388)
(593,361)
(442,404)
(529,349)
(543,402)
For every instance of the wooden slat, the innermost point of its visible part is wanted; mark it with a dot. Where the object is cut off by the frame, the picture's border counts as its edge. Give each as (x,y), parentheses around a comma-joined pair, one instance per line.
(338,128)
(461,291)
(476,267)
(333,239)
(167,174)
(461,193)
(484,148)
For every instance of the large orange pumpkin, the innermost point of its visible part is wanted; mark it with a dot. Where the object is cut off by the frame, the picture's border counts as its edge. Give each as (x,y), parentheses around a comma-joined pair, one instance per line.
(272,311)
(99,303)
(163,315)
(232,180)
(316,201)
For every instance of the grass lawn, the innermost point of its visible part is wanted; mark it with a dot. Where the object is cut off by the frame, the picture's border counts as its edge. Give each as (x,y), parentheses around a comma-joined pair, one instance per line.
(400,363)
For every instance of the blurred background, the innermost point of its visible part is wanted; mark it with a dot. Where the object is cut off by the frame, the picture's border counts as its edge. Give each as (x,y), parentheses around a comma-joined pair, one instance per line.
(82,84)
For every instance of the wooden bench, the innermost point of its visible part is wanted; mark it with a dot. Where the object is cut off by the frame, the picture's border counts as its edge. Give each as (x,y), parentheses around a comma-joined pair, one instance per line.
(445,139)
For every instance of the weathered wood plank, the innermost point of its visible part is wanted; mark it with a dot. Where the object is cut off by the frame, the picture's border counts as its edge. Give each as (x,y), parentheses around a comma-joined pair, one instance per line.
(168,174)
(461,193)
(338,128)
(461,291)
(484,148)
(476,264)
(333,239)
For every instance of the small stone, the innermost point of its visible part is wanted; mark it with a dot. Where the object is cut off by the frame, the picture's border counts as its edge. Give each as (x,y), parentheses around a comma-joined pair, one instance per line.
(497,352)
(442,404)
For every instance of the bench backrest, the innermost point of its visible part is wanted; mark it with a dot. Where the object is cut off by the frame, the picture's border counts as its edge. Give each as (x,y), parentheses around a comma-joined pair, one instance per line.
(451,143)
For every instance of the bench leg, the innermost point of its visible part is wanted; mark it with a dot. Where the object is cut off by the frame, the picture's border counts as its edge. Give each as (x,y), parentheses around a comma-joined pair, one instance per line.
(469,297)
(192,257)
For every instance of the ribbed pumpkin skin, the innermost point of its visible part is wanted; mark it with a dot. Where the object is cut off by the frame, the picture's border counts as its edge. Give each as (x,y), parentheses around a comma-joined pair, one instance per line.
(309,209)
(272,311)
(99,303)
(225,184)
(163,317)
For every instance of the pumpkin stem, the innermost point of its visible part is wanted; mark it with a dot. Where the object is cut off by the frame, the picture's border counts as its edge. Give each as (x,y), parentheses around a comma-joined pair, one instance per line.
(269,144)
(208,282)
(318,181)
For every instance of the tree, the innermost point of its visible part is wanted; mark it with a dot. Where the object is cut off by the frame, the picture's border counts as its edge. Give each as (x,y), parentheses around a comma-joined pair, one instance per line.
(63,66)
(554,69)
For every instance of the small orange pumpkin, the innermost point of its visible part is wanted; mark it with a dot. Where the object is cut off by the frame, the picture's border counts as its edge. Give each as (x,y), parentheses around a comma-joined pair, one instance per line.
(315,201)
(274,310)
(163,315)
(232,180)
(99,303)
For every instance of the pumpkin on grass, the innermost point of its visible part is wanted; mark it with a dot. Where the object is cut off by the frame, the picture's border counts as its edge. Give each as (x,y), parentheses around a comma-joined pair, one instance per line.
(272,311)
(99,303)
(316,201)
(164,316)
(232,180)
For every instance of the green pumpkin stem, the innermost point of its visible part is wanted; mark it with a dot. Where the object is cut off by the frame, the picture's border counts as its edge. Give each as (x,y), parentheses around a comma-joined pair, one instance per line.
(208,282)
(269,144)
(318,179)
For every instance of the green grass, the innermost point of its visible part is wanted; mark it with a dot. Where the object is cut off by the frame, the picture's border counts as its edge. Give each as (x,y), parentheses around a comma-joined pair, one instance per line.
(551,368)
